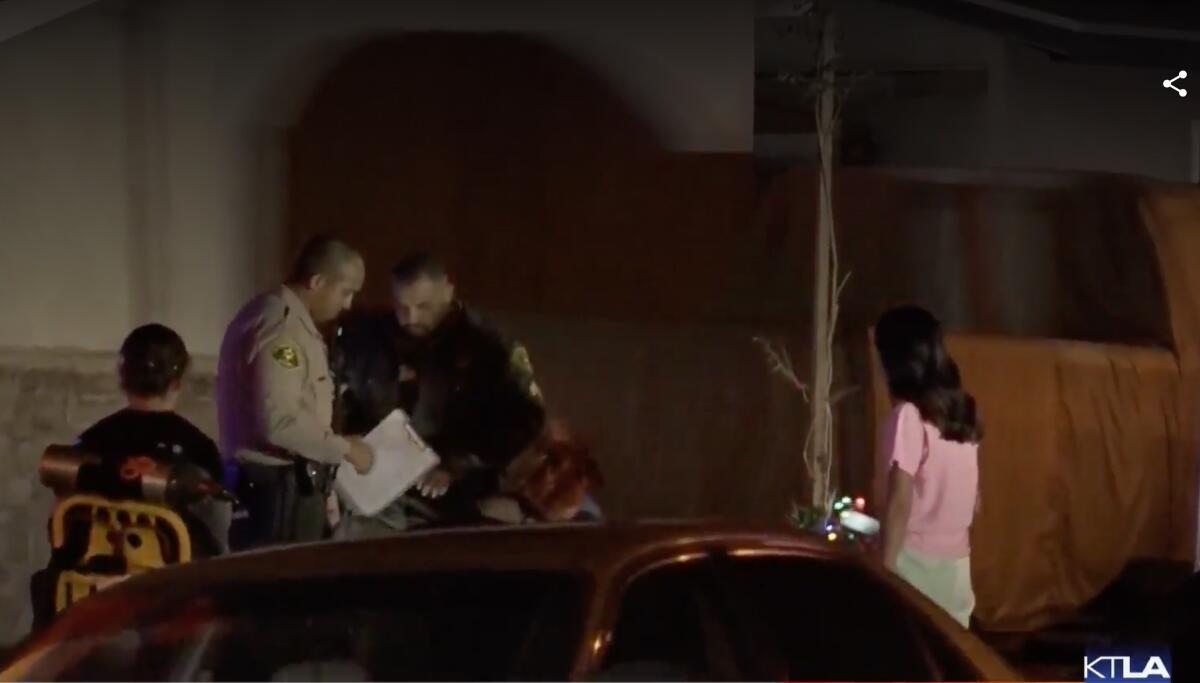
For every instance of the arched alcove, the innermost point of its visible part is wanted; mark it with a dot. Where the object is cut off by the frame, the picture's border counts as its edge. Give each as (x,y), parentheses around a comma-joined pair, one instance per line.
(562,215)
(535,179)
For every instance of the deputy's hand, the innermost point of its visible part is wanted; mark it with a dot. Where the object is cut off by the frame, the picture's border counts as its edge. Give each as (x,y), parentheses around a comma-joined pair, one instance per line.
(435,484)
(333,511)
(360,457)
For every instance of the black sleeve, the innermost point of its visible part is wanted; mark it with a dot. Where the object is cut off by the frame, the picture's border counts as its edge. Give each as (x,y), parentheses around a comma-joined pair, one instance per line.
(513,415)
(339,370)
(93,439)
(108,440)
(207,456)
(354,356)
(91,479)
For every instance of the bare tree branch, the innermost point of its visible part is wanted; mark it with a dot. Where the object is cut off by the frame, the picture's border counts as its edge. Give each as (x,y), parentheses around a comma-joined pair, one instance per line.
(837,295)
(843,393)
(779,362)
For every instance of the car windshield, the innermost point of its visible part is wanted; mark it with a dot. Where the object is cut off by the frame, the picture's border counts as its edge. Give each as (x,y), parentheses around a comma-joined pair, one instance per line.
(433,626)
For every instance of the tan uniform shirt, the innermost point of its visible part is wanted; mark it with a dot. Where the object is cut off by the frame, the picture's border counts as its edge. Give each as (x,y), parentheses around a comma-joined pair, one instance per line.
(274,389)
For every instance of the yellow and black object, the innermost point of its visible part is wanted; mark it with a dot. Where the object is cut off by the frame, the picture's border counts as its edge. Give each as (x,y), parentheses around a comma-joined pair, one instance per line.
(117,518)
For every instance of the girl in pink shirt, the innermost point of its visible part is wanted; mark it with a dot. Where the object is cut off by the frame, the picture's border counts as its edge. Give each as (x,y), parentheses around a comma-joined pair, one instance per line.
(931,442)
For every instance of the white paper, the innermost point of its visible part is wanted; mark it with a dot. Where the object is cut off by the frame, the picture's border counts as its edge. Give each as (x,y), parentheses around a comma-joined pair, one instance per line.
(401,460)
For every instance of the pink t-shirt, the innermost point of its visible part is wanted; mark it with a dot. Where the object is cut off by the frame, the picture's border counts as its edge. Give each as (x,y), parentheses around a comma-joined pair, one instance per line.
(946,477)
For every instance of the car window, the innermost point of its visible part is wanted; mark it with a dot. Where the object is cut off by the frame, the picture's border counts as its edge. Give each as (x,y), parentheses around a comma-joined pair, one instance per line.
(445,626)
(799,618)
(667,629)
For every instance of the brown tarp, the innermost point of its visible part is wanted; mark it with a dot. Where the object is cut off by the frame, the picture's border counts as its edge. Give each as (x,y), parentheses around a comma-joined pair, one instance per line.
(1054,256)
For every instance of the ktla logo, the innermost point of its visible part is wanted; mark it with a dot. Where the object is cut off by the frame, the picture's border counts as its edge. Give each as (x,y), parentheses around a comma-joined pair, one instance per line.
(1118,666)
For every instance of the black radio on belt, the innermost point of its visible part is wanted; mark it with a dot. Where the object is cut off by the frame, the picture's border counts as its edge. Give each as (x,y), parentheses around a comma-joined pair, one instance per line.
(312,477)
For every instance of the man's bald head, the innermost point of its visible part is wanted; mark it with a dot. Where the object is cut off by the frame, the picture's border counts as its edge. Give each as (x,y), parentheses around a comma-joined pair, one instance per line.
(322,255)
(327,273)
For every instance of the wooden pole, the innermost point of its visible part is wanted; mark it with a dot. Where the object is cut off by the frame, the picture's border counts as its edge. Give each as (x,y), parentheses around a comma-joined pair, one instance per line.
(823,287)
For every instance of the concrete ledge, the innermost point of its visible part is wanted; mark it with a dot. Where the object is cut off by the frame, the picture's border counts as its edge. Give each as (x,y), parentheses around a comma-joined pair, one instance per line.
(81,361)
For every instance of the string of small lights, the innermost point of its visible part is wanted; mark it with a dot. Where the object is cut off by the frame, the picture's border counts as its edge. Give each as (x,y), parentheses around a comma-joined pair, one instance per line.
(845,522)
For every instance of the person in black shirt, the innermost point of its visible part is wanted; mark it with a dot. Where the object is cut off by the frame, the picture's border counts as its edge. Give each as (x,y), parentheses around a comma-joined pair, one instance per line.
(152,365)
(167,437)
(469,392)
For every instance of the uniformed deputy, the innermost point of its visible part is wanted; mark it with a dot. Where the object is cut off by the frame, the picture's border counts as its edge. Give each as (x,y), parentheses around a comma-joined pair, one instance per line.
(470,394)
(275,399)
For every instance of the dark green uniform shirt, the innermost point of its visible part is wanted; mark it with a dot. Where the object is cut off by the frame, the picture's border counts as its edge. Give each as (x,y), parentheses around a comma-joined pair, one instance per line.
(470,394)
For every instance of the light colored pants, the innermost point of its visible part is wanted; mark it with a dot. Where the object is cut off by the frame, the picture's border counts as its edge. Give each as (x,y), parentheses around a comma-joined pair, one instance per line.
(390,521)
(946,581)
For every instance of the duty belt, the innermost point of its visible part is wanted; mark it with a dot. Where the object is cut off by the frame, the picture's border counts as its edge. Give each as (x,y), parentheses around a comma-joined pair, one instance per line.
(311,477)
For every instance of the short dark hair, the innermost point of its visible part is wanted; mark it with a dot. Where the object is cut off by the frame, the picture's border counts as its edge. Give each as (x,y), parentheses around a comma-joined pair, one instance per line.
(153,357)
(416,265)
(321,255)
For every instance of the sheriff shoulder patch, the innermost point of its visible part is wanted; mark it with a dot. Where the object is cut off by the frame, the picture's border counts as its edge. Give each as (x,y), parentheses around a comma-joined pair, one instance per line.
(520,361)
(522,368)
(286,356)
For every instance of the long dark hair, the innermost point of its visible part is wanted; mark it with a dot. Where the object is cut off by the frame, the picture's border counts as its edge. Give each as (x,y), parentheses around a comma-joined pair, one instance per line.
(919,370)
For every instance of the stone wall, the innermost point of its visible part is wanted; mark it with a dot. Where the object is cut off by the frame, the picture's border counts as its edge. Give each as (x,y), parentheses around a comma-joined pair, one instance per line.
(50,397)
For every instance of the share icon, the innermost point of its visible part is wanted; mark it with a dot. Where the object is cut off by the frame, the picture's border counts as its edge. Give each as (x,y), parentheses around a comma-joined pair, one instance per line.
(1171,84)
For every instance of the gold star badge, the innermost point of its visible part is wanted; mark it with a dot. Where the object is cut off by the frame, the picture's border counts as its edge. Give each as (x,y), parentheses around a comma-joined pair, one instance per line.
(286,356)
